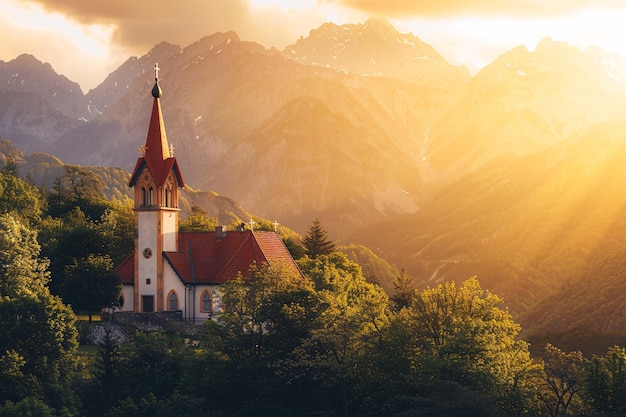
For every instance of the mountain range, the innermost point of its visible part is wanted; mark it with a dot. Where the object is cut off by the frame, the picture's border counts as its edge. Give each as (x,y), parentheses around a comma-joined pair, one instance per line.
(513,174)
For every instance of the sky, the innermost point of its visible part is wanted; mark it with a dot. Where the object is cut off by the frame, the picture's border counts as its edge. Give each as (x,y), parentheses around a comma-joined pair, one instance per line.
(87,40)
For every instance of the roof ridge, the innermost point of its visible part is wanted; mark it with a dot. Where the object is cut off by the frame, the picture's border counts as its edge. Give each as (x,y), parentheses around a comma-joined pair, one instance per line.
(237,254)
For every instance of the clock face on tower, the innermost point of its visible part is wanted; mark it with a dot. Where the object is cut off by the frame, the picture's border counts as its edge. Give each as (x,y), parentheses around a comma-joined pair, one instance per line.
(147,253)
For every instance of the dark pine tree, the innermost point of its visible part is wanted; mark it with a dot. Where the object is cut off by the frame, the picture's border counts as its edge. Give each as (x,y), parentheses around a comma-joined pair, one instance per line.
(316,241)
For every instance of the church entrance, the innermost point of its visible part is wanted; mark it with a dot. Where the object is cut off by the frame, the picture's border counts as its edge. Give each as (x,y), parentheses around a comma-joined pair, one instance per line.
(147,301)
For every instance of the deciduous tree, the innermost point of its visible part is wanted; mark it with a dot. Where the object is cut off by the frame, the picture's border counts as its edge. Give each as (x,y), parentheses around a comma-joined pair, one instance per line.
(91,284)
(38,337)
(197,221)
(562,382)
(465,337)
(605,382)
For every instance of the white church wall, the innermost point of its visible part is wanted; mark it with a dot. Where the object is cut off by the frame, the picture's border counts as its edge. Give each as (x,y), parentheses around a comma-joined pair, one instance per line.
(172,282)
(169,222)
(147,268)
(128,297)
(216,300)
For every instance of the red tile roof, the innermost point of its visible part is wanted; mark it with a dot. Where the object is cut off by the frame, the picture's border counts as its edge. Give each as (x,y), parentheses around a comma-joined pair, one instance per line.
(126,270)
(219,259)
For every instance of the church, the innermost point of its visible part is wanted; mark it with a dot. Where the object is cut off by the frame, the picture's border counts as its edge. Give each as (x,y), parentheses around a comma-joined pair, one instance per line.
(182,271)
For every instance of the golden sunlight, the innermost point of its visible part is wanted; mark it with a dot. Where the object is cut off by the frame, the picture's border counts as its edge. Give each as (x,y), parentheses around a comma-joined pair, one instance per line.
(285,4)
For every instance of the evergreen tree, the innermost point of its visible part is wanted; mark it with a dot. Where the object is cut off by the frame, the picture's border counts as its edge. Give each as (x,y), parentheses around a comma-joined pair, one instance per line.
(316,241)
(403,290)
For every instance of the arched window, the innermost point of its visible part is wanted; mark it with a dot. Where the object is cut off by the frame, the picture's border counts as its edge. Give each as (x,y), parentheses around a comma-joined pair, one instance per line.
(120,302)
(151,196)
(172,301)
(206,302)
(167,197)
(144,197)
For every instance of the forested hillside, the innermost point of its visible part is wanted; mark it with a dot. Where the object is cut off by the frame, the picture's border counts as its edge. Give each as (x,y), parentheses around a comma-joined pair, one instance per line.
(329,341)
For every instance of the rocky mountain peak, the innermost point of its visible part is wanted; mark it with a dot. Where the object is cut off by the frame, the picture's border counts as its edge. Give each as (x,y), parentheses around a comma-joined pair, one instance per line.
(27,74)
(118,83)
(381,27)
(374,48)
(215,44)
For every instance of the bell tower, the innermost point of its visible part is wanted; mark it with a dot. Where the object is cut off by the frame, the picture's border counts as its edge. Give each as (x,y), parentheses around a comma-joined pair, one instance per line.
(156,180)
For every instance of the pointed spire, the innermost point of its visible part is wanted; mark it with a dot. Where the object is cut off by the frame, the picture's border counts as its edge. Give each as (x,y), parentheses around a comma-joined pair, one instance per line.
(156,147)
(156,153)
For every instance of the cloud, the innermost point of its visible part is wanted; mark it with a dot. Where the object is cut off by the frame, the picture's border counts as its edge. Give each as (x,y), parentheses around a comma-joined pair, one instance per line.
(140,24)
(449,8)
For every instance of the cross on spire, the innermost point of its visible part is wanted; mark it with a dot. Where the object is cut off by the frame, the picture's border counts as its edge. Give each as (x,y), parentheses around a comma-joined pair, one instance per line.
(156,72)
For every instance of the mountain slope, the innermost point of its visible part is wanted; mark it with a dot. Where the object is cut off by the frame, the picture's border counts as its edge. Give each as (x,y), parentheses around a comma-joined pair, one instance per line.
(26,74)
(525,102)
(118,83)
(31,121)
(529,227)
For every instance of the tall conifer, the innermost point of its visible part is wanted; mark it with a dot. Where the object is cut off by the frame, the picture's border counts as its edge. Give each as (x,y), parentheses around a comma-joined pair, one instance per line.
(316,241)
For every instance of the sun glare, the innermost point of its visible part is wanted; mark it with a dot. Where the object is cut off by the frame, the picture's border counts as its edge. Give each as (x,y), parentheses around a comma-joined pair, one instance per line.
(285,4)
(601,28)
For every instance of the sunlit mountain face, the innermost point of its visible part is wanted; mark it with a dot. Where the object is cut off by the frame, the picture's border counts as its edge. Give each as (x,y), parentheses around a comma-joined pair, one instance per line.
(514,174)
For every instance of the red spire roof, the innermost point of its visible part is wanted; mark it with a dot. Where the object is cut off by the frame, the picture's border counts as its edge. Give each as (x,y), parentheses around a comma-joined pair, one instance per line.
(156,151)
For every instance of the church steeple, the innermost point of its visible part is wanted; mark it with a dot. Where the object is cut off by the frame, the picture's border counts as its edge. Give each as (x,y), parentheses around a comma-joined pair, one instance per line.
(156,181)
(156,153)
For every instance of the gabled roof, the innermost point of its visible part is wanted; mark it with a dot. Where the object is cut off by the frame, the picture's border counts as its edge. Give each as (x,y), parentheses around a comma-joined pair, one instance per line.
(126,270)
(208,258)
(157,153)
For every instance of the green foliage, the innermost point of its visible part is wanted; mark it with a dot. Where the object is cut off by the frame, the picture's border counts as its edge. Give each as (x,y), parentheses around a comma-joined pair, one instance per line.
(197,221)
(264,313)
(316,241)
(403,290)
(27,407)
(79,184)
(375,269)
(91,284)
(38,337)
(23,272)
(463,336)
(19,198)
(351,317)
(296,250)
(563,378)
(76,236)
(605,382)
